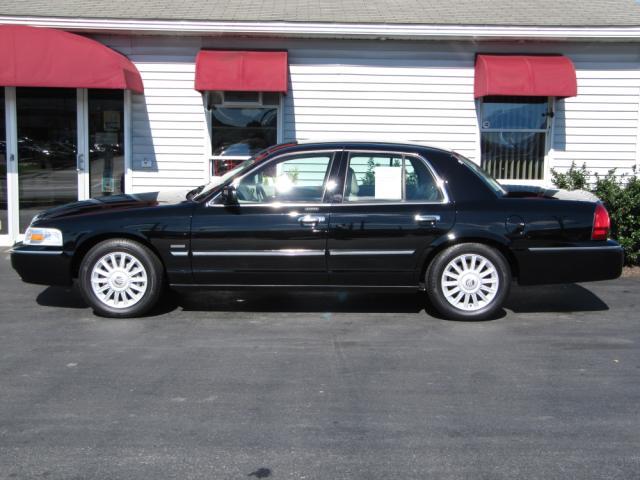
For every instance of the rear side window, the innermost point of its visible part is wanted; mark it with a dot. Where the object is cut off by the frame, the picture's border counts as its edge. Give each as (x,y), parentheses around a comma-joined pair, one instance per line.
(383,178)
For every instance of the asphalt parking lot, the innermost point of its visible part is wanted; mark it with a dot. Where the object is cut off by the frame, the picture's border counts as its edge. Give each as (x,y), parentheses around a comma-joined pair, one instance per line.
(320,386)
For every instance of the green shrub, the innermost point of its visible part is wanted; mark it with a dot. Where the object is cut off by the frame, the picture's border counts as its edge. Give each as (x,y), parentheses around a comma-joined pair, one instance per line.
(620,194)
(572,179)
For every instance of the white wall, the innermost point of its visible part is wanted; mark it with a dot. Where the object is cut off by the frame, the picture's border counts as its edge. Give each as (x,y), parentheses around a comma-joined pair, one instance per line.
(418,92)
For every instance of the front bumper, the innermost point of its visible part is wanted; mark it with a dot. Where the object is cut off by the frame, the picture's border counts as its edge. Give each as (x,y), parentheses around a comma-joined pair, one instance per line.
(569,264)
(41,265)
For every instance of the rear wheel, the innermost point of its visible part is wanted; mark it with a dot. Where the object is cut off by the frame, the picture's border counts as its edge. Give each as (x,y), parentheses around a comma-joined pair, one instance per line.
(469,281)
(120,278)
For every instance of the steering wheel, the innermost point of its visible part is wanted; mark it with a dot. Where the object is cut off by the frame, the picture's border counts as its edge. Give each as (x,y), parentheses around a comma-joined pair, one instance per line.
(261,194)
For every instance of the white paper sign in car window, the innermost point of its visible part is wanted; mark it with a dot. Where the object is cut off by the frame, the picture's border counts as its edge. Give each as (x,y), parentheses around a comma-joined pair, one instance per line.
(388,183)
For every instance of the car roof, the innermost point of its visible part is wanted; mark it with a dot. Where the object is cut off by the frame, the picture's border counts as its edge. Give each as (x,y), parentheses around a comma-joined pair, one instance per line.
(351,145)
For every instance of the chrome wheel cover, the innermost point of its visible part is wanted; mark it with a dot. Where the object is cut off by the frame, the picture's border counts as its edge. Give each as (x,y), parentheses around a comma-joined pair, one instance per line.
(119,280)
(470,282)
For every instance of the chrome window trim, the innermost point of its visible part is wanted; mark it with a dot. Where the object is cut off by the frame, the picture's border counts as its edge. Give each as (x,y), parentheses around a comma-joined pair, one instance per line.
(439,182)
(285,252)
(574,249)
(333,151)
(339,253)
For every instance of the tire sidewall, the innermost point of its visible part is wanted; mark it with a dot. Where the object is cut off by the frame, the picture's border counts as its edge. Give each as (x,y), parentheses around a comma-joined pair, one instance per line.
(146,257)
(436,269)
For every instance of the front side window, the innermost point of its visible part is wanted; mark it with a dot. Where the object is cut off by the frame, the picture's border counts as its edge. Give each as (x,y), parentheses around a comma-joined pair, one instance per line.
(293,179)
(514,136)
(384,178)
(242,124)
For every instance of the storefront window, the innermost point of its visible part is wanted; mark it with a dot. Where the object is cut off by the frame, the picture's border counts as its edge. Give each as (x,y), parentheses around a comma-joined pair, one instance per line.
(514,136)
(242,124)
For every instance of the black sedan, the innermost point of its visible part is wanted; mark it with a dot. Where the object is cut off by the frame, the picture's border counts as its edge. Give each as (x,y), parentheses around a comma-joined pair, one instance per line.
(326,215)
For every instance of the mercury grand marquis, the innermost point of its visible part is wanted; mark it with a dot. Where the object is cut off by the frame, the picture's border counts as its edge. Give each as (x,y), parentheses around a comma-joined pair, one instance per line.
(326,216)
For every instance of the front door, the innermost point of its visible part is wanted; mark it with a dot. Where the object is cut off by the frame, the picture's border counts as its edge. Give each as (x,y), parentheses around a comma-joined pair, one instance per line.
(276,234)
(392,209)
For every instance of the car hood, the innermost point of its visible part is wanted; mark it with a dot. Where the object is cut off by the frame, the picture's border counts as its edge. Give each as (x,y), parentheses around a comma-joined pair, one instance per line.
(115,202)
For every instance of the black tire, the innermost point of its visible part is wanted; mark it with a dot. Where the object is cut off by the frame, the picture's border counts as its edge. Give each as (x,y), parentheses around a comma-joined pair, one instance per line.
(467,285)
(123,250)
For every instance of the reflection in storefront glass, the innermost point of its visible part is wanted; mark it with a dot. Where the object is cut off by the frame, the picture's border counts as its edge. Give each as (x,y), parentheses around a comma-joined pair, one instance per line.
(47,136)
(513,141)
(3,169)
(240,132)
(106,142)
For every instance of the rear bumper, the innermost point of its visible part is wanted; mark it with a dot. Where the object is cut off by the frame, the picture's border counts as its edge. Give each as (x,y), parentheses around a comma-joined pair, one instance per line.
(41,265)
(568,264)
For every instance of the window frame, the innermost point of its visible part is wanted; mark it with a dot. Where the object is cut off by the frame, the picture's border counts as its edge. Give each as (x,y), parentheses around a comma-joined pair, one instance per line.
(238,104)
(335,155)
(548,143)
(440,184)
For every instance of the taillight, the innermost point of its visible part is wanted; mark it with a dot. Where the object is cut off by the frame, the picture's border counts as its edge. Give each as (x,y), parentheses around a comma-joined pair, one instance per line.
(601,223)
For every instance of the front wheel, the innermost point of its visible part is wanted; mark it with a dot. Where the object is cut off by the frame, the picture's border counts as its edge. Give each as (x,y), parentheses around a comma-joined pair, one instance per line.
(120,278)
(469,281)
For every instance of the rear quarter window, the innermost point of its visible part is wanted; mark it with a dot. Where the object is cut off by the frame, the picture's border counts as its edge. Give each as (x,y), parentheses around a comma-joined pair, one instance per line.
(460,180)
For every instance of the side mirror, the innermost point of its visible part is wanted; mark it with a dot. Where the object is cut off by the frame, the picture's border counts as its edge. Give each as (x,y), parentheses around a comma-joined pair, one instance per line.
(229,195)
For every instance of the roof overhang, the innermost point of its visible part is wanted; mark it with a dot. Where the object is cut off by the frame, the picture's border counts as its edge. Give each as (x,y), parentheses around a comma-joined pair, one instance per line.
(333,30)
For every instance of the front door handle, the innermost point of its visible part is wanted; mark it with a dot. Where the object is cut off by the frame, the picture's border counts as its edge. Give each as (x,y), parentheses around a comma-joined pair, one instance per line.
(80,166)
(430,220)
(311,220)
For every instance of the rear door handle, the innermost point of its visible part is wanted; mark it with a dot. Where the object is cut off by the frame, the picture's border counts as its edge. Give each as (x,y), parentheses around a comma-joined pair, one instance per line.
(311,220)
(427,219)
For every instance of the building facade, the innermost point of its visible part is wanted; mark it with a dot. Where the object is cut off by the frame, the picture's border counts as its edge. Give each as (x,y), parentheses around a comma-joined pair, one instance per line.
(398,83)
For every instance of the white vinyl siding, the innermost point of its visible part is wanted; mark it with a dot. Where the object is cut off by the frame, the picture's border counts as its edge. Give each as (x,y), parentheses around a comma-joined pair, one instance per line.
(395,96)
(599,127)
(169,123)
(416,92)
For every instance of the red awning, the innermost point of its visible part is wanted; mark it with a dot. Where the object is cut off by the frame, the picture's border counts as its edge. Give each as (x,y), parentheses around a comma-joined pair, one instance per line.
(44,57)
(235,71)
(520,75)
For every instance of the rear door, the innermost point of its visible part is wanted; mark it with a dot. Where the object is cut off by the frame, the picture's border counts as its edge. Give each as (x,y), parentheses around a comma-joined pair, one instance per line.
(392,208)
(276,235)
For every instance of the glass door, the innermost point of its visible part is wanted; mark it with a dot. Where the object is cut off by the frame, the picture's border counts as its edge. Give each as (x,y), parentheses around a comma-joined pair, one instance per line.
(47,134)
(57,145)
(4,198)
(106,142)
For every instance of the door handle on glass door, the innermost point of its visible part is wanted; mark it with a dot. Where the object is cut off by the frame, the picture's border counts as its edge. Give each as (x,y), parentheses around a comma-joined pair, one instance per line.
(311,220)
(80,163)
(430,220)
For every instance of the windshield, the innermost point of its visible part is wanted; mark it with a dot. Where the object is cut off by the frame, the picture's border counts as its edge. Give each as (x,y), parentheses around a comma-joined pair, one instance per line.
(488,180)
(204,190)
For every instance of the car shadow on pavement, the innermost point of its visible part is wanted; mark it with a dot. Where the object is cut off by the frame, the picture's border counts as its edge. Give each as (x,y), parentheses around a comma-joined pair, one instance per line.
(276,301)
(63,297)
(554,298)
(547,298)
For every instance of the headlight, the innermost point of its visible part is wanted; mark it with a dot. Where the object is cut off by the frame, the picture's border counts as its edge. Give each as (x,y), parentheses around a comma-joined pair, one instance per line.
(43,236)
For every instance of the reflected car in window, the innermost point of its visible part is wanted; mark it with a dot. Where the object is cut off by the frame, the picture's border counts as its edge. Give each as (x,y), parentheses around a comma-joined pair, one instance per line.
(368,216)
